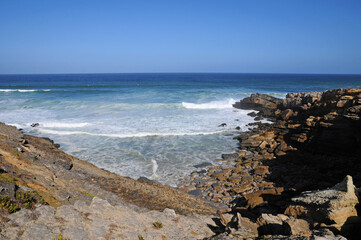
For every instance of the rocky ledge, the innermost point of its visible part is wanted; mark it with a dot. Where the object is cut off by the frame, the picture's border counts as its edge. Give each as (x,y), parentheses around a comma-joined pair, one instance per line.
(293,178)
(45,193)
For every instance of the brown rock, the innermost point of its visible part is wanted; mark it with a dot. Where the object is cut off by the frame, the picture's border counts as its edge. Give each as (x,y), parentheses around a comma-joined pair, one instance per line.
(225,219)
(245,228)
(341,103)
(261,170)
(297,227)
(335,205)
(296,211)
(286,114)
(242,188)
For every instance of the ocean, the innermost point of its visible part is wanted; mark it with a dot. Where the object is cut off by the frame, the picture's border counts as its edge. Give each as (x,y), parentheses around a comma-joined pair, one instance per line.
(153,125)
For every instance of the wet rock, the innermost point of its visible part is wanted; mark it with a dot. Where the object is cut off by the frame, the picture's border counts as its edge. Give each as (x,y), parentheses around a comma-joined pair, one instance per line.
(252,114)
(222,125)
(202,165)
(259,118)
(230,157)
(261,102)
(34,125)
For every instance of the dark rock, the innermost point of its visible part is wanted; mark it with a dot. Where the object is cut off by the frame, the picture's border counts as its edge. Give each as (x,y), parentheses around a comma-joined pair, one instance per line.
(7,189)
(203,164)
(259,118)
(222,125)
(252,114)
(196,192)
(230,157)
(238,128)
(34,125)
(261,102)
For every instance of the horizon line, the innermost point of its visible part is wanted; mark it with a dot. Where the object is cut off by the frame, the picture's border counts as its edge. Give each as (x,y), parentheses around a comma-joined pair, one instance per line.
(90,73)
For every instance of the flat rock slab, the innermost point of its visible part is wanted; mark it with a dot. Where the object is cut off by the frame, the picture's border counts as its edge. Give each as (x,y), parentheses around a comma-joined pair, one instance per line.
(101,220)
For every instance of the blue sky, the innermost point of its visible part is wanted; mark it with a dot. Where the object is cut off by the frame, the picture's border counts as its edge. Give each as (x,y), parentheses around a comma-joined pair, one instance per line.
(279,36)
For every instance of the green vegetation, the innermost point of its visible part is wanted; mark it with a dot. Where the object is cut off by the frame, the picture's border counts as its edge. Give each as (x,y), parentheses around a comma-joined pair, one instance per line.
(8,204)
(158,224)
(5,178)
(89,194)
(23,199)
(28,199)
(60,238)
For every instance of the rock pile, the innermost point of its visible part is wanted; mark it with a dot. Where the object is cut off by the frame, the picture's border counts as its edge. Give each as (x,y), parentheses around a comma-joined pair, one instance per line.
(313,144)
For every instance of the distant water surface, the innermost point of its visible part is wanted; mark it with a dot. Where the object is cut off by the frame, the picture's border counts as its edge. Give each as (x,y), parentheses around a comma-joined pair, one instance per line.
(153,125)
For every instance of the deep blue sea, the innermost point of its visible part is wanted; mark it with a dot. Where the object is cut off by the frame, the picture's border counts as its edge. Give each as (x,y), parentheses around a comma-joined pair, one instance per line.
(152,125)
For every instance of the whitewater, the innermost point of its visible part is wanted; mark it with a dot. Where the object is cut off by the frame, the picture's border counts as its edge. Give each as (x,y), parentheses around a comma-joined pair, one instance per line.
(153,125)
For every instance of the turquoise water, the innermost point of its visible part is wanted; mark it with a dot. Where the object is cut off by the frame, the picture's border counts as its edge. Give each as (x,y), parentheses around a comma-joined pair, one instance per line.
(152,125)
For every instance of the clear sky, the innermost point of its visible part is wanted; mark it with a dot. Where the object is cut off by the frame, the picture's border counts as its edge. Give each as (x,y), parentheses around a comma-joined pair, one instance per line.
(252,36)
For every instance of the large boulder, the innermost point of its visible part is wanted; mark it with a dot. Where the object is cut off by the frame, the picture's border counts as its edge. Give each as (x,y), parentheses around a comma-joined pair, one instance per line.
(261,102)
(333,207)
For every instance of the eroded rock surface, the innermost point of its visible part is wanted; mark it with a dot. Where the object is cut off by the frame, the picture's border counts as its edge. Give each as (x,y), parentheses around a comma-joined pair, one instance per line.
(101,220)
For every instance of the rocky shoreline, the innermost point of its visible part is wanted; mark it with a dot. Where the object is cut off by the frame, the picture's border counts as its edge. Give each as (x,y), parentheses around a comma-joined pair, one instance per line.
(59,194)
(314,143)
(290,179)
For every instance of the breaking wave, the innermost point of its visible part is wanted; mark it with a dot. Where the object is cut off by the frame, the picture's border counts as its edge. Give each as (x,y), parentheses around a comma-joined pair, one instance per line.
(210,105)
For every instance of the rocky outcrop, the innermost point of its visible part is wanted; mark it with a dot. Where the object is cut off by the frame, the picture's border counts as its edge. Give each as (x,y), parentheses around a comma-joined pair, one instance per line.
(45,193)
(313,143)
(261,102)
(335,206)
(35,163)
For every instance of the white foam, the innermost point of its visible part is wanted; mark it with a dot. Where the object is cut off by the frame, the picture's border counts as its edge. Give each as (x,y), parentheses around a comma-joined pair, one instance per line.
(56,132)
(154,169)
(63,125)
(24,90)
(210,105)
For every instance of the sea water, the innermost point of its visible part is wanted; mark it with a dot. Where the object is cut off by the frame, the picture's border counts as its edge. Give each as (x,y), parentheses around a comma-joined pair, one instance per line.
(153,125)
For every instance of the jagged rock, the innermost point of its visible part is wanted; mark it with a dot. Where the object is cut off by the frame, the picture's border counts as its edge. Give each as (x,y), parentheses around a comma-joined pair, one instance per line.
(325,234)
(334,206)
(222,125)
(259,118)
(297,100)
(225,219)
(286,114)
(252,114)
(34,125)
(245,227)
(261,102)
(271,224)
